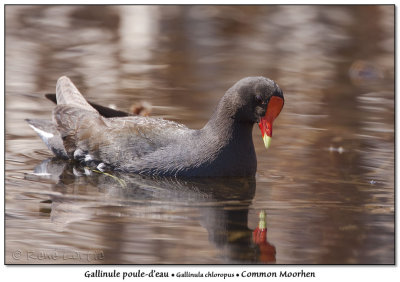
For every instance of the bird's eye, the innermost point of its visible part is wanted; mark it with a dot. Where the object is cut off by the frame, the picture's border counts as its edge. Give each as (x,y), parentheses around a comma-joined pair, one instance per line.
(259,99)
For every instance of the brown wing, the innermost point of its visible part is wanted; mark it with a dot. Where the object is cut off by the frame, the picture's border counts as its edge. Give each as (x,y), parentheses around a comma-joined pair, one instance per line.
(113,140)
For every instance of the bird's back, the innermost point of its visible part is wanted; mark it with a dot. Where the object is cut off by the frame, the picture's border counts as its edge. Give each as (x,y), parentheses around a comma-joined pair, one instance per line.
(115,141)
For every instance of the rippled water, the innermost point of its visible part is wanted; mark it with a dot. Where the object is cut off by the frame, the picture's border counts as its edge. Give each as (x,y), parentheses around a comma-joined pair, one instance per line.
(326,183)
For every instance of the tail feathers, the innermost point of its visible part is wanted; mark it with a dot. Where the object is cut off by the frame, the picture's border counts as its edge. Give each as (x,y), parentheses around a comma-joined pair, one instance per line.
(52,97)
(48,132)
(104,111)
(68,94)
(75,127)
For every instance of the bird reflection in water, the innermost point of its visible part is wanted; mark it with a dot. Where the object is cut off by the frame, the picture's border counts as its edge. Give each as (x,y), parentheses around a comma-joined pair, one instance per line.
(222,205)
(267,251)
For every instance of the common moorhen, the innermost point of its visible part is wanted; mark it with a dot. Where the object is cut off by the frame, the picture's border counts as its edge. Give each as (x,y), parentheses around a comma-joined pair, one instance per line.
(154,146)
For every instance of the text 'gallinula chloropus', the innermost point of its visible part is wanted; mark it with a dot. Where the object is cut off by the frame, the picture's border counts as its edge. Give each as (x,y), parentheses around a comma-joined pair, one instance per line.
(108,139)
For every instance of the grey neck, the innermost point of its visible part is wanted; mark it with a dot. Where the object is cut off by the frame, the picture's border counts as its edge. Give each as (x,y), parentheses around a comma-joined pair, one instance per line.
(227,130)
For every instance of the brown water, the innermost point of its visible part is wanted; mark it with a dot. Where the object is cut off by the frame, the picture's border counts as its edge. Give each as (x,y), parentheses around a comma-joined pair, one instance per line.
(326,183)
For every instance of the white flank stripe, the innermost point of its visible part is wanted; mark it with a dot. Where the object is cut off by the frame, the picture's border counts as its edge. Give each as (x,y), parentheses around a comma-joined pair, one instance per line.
(88,158)
(41,173)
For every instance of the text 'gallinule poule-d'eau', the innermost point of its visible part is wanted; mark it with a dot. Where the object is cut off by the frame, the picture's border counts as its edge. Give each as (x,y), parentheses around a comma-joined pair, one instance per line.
(97,136)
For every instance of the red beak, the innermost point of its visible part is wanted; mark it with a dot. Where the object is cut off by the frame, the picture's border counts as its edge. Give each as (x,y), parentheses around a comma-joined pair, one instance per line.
(275,106)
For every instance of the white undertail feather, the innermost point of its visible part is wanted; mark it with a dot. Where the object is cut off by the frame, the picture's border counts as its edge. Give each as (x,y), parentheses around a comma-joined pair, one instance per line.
(45,135)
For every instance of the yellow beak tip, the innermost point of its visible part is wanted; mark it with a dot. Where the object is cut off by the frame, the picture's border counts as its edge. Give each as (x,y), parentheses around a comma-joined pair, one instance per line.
(267,141)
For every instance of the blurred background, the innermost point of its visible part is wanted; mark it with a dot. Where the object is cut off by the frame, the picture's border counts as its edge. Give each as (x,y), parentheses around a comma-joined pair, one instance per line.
(326,183)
